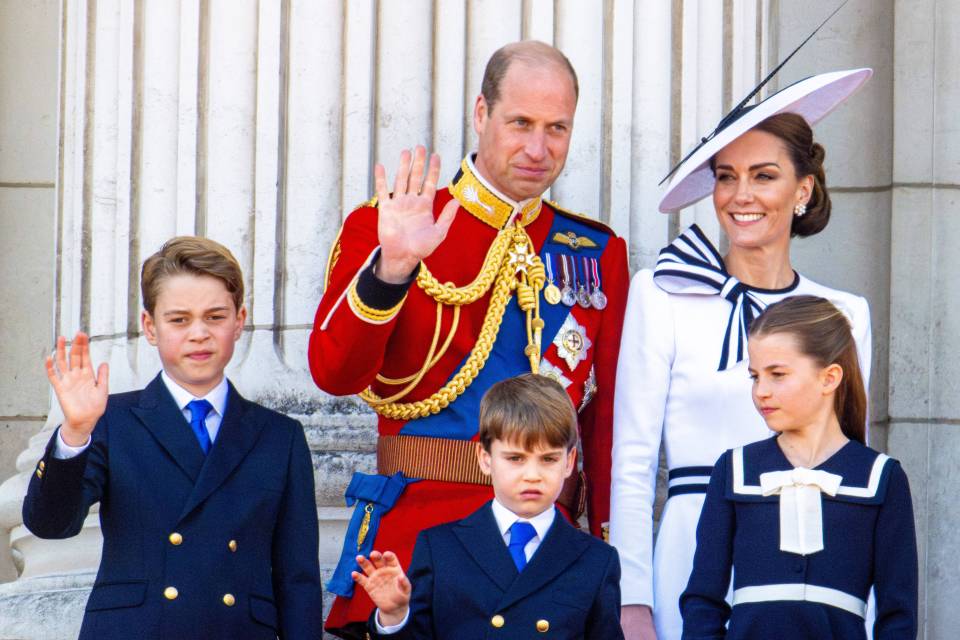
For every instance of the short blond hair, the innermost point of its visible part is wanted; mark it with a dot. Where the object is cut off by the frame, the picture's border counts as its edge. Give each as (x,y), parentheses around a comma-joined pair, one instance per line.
(531,410)
(195,256)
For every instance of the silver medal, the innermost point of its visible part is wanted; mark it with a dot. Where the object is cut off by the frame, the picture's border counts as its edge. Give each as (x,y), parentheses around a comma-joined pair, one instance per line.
(583,298)
(599,300)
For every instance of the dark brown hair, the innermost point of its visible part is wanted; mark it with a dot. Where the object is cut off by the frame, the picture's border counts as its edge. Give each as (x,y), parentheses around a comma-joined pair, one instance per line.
(195,256)
(531,410)
(807,157)
(823,333)
(532,52)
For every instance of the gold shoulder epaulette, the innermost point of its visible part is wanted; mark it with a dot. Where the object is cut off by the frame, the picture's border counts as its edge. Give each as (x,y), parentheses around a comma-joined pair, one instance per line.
(590,222)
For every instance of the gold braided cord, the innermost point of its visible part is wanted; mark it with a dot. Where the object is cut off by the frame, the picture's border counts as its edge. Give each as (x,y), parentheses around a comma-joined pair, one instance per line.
(429,364)
(452,295)
(456,296)
(504,284)
(467,374)
(415,380)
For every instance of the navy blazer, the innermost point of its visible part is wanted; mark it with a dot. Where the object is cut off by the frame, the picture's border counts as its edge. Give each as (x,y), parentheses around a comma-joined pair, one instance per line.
(868,538)
(216,546)
(466,587)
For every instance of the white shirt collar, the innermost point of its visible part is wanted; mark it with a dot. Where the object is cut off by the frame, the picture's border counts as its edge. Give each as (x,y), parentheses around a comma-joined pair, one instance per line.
(505,519)
(217,396)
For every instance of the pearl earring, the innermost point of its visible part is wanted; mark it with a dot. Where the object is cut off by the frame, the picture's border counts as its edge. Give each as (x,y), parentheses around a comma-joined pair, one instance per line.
(800,209)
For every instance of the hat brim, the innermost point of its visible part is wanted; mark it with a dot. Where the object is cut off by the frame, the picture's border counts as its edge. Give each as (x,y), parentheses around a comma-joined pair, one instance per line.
(813,98)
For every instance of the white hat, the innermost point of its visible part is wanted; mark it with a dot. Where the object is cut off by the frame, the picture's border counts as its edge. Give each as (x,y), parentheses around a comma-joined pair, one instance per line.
(813,98)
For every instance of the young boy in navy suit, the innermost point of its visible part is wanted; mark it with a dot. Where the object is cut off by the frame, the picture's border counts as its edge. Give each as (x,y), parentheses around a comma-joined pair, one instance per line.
(514,568)
(206,499)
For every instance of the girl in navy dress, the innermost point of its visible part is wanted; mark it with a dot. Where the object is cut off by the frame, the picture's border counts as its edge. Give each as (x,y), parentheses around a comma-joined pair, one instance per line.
(809,520)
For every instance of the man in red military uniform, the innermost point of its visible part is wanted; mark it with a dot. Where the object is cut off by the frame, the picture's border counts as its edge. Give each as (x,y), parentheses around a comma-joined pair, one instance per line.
(432,296)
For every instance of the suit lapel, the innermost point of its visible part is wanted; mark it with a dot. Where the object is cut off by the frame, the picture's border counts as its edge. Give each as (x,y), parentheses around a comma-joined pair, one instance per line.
(561,547)
(160,415)
(236,437)
(480,536)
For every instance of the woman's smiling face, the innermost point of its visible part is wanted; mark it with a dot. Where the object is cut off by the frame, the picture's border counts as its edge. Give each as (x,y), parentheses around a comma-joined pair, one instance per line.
(756,190)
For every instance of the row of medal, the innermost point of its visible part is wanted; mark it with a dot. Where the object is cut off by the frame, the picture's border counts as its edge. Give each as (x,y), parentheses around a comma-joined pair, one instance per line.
(579,281)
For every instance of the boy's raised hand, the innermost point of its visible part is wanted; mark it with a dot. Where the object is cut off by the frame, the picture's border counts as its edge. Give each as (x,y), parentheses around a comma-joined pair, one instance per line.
(81,393)
(387,585)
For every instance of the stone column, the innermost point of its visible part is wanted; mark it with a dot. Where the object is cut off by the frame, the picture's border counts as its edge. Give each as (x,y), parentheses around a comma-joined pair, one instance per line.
(28,121)
(925,294)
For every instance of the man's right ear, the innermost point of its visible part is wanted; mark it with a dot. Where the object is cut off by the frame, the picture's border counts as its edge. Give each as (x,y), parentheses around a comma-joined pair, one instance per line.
(480,114)
(149,328)
(483,459)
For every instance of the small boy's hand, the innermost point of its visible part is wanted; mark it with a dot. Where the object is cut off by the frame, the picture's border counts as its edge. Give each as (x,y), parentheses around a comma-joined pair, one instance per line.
(82,395)
(386,584)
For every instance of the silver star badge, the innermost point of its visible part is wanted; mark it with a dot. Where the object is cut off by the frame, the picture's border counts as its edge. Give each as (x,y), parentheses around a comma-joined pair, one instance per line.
(572,342)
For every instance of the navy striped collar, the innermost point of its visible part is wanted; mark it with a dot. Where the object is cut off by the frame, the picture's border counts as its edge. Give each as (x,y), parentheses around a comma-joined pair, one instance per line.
(692,265)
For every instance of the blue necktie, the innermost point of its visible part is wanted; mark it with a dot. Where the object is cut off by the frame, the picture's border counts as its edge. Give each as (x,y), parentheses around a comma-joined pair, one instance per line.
(198,414)
(520,534)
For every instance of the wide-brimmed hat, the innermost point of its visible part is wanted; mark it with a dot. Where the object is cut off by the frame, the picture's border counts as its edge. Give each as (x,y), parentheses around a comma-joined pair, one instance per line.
(813,98)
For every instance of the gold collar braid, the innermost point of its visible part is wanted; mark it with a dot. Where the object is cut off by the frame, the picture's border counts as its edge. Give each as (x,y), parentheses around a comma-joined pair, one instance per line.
(487,204)
(511,264)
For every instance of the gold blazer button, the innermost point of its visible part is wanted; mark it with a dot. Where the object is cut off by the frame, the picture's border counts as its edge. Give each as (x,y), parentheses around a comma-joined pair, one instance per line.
(497,621)
(175,538)
(170,593)
(543,626)
(229,600)
(232,545)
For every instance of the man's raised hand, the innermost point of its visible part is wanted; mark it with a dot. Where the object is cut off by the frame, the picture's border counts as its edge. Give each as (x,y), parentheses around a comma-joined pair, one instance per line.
(406,229)
(385,582)
(81,392)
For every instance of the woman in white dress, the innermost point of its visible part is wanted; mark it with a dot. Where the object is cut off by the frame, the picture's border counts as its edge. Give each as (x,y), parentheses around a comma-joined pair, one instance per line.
(682,378)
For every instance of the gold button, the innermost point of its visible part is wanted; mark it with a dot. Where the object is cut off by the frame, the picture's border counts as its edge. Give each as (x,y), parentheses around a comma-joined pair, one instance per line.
(170,593)
(232,545)
(175,538)
(42,465)
(39,473)
(543,626)
(497,621)
(229,600)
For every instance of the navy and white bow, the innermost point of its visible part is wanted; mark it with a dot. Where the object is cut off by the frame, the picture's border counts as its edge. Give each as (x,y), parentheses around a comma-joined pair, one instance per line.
(691,265)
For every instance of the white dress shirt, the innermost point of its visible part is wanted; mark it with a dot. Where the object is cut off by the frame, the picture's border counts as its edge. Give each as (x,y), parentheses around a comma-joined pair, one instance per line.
(505,519)
(217,397)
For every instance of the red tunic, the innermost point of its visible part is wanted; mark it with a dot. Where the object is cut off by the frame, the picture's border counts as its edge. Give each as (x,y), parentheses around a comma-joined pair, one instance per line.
(349,347)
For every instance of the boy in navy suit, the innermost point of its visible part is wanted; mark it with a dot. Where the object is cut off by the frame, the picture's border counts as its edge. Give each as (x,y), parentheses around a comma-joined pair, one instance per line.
(514,568)
(206,499)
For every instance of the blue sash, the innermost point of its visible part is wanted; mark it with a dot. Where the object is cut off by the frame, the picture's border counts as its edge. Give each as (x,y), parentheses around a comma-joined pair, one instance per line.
(374,496)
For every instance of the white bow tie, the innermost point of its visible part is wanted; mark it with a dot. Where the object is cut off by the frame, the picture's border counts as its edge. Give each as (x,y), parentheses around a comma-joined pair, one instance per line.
(801,509)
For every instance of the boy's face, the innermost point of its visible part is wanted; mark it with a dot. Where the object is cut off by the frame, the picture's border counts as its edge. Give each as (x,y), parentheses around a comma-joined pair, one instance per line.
(194,326)
(526,482)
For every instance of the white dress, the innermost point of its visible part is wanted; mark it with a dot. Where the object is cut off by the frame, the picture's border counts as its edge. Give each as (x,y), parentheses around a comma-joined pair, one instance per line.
(669,390)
